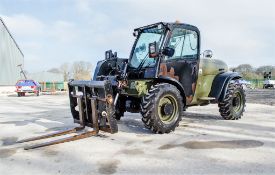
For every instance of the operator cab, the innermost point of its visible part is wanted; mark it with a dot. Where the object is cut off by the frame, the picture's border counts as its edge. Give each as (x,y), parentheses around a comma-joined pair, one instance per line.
(167,51)
(161,43)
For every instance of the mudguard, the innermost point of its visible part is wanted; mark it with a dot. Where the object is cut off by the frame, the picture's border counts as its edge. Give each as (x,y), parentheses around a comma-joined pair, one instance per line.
(220,84)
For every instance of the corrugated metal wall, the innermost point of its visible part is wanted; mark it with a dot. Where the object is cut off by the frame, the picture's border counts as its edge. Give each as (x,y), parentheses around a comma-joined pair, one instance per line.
(10,57)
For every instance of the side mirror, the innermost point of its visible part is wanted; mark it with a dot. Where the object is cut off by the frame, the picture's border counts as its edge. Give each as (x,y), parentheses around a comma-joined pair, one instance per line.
(168,51)
(207,54)
(153,50)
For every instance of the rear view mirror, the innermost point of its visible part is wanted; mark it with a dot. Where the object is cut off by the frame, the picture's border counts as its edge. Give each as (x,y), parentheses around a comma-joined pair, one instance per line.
(168,51)
(153,50)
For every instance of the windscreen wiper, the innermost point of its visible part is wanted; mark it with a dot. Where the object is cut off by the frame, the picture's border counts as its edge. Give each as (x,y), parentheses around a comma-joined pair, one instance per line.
(142,62)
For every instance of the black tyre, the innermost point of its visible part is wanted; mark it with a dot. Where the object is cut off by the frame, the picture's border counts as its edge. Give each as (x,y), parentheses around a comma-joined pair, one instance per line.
(19,94)
(162,108)
(113,124)
(232,107)
(120,109)
(37,93)
(118,115)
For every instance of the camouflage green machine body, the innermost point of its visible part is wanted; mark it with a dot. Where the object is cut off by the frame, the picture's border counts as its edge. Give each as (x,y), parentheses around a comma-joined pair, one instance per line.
(208,69)
(164,74)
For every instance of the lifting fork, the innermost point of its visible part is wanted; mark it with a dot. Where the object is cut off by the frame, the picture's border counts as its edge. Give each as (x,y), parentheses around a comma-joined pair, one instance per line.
(95,124)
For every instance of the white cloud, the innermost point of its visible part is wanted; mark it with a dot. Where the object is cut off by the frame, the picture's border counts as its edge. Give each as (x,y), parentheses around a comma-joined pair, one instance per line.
(23,25)
(64,31)
(83,6)
(29,27)
(40,41)
(238,31)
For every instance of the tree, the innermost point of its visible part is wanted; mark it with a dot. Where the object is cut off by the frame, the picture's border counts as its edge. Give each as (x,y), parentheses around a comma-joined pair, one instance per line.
(247,71)
(251,75)
(82,70)
(244,68)
(53,70)
(64,69)
(262,69)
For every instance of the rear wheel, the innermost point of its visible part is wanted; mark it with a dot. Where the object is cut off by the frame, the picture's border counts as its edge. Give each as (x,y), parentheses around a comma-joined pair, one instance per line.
(162,108)
(19,94)
(232,107)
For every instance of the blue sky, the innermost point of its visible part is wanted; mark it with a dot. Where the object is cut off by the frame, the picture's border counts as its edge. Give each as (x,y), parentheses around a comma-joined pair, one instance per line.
(51,32)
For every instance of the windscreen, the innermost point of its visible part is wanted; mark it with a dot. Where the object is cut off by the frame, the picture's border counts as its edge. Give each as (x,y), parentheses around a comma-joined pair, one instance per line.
(25,83)
(140,52)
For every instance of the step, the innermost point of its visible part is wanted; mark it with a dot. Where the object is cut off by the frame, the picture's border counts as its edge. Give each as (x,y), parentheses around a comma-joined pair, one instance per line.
(207,98)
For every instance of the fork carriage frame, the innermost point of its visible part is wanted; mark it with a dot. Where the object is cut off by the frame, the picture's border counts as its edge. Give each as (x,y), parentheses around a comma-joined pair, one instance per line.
(94,101)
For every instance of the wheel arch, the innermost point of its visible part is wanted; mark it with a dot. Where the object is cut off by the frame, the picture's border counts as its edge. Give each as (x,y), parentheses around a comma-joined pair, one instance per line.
(164,79)
(220,84)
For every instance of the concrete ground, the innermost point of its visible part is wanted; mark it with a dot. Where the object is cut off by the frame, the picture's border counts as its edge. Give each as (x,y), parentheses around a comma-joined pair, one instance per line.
(202,144)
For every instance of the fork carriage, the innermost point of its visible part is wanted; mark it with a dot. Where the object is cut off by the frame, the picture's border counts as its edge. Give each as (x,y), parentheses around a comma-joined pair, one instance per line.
(91,104)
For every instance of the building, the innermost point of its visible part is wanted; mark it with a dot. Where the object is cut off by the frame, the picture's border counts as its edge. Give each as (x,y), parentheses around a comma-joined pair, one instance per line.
(49,81)
(10,57)
(46,77)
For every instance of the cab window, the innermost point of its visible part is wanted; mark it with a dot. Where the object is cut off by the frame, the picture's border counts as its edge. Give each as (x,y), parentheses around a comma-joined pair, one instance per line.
(185,43)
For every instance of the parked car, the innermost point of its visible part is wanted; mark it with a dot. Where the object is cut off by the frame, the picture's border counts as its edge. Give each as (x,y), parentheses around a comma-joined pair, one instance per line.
(27,86)
(269,84)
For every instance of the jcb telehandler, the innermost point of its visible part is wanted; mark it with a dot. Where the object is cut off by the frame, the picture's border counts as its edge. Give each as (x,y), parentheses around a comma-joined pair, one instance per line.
(162,77)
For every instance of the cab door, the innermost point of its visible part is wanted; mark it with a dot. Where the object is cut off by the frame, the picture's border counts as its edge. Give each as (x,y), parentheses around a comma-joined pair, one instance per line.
(184,64)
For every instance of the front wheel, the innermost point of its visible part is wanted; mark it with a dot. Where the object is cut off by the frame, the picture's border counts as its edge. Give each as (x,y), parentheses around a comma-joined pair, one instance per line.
(232,107)
(118,115)
(120,108)
(162,108)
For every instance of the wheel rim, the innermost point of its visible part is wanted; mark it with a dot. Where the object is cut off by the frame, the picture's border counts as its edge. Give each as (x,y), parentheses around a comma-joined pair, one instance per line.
(237,102)
(168,109)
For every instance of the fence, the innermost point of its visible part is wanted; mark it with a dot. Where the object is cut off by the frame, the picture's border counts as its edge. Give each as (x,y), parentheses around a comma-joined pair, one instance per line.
(53,86)
(257,83)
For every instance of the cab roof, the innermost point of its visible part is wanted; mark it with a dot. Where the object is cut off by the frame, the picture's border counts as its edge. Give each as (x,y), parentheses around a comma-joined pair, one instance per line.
(170,26)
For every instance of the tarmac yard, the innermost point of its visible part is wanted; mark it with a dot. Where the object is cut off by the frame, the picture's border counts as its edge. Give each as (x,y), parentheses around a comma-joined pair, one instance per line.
(204,143)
